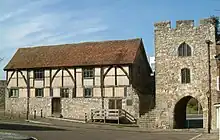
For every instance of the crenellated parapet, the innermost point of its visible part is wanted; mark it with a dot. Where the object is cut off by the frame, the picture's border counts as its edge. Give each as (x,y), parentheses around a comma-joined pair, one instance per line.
(182,24)
(162,25)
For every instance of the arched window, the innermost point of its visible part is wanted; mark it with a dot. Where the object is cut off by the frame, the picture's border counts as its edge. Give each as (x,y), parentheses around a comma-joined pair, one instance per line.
(184,50)
(185,75)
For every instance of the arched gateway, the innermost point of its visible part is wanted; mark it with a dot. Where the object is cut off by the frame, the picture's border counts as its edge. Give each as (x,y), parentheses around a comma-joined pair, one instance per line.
(188,113)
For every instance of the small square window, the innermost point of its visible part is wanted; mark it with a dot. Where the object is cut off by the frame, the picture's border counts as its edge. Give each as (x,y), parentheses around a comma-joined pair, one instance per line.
(64,93)
(39,92)
(13,93)
(39,74)
(129,102)
(88,73)
(88,92)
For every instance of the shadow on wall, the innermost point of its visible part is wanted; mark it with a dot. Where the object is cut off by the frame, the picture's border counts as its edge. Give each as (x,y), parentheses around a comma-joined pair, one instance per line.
(3,86)
(147,103)
(148,98)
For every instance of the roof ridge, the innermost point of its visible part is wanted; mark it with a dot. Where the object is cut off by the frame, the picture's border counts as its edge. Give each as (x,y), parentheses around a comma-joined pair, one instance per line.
(86,42)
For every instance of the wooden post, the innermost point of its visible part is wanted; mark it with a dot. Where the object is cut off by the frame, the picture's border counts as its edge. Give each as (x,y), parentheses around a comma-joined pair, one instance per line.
(91,115)
(118,116)
(41,113)
(35,114)
(85,117)
(104,116)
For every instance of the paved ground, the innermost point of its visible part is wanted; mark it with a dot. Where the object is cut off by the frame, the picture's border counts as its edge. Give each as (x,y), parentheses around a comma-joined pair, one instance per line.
(48,133)
(70,130)
(212,136)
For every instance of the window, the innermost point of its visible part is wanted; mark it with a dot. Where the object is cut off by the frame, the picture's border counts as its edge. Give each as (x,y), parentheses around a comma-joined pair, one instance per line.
(88,73)
(185,75)
(13,93)
(88,92)
(38,74)
(39,92)
(64,93)
(184,50)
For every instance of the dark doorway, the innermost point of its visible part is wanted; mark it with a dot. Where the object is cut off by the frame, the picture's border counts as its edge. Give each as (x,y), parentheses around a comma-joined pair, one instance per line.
(56,106)
(115,104)
(188,113)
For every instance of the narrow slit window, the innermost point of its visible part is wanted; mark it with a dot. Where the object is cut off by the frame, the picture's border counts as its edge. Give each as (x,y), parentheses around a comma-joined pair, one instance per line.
(185,75)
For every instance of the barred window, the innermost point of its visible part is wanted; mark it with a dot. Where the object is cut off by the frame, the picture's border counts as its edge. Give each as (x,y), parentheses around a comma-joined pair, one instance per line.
(39,92)
(185,75)
(64,93)
(38,74)
(184,50)
(88,73)
(13,93)
(88,92)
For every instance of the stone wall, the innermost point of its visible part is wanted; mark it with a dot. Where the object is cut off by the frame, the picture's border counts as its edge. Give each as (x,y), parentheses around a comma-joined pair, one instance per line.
(77,107)
(16,105)
(74,108)
(169,89)
(143,82)
(38,104)
(3,86)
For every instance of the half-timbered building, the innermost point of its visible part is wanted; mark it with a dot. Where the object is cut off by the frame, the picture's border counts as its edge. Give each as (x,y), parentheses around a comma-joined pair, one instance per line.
(70,80)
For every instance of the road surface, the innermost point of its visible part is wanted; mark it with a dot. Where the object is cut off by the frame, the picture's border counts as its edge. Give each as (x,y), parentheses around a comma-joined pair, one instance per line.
(49,133)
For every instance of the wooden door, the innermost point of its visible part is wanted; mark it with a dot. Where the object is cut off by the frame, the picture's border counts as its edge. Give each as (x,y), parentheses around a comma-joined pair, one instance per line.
(115,103)
(56,106)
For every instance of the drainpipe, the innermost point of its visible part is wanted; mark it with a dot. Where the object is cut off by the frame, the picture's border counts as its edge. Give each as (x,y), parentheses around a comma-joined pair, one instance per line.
(209,95)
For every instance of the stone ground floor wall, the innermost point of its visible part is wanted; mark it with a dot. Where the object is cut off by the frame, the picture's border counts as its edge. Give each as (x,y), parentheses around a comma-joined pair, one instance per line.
(77,107)
(162,116)
(74,107)
(19,106)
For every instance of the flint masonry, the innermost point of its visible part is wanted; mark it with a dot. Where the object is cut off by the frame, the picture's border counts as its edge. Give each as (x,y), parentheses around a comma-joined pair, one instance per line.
(182,72)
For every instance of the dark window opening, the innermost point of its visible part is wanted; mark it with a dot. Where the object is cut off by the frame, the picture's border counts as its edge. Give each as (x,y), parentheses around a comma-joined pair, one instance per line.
(39,74)
(184,50)
(39,92)
(88,92)
(88,73)
(64,93)
(13,93)
(185,75)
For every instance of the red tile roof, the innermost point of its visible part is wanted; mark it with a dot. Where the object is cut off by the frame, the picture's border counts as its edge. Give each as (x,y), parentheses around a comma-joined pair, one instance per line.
(80,54)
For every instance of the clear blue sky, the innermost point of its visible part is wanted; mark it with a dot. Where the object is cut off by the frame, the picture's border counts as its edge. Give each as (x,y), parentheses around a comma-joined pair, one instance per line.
(26,23)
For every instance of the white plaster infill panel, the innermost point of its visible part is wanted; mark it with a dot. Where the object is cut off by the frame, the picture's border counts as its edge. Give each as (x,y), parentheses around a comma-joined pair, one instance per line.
(68,82)
(109,81)
(97,81)
(218,114)
(97,71)
(79,92)
(88,82)
(56,92)
(97,92)
(12,83)
(120,72)
(122,80)
(47,73)
(38,83)
(110,72)
(119,91)
(108,92)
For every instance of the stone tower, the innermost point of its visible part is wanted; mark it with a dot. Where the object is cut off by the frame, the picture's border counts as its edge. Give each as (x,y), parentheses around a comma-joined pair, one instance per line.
(181,56)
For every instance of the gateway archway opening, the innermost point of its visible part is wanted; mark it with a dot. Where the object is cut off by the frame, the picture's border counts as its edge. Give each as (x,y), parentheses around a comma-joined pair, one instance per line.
(188,113)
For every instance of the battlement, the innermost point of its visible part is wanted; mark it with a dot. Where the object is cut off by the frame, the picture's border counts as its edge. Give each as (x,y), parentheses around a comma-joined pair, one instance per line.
(164,25)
